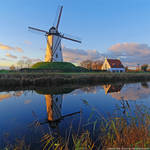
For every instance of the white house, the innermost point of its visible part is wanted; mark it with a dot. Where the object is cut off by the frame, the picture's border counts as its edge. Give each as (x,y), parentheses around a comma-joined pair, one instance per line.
(113,65)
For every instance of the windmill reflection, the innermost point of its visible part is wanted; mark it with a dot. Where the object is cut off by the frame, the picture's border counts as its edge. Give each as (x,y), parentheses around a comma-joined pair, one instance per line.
(54,106)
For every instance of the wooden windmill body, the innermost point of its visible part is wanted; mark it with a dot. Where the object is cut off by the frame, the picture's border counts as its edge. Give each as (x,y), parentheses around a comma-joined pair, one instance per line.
(54,49)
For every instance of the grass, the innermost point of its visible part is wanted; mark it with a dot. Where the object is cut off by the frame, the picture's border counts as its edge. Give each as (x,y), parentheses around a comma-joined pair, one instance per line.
(53,65)
(4,71)
(58,67)
(127,131)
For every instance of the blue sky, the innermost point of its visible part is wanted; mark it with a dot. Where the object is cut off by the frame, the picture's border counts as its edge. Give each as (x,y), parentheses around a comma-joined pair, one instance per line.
(108,28)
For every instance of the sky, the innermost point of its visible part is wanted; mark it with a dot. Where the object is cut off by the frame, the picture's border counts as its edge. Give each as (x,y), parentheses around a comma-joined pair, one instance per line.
(108,28)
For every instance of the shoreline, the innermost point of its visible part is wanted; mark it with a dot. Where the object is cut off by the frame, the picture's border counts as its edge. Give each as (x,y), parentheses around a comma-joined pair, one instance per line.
(21,80)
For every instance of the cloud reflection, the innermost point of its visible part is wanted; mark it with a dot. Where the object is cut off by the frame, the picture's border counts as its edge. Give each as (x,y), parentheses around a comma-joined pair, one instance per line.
(4,96)
(132,91)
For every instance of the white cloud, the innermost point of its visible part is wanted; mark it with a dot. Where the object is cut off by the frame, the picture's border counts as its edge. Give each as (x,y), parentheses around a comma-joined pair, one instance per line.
(10,48)
(27,42)
(131,53)
(11,56)
(130,49)
(18,49)
(3,59)
(33,60)
(5,47)
(79,55)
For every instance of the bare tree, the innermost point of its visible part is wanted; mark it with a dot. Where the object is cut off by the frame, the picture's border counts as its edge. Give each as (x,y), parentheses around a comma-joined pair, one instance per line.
(12,67)
(97,65)
(28,63)
(86,64)
(94,65)
(126,69)
(20,63)
(144,67)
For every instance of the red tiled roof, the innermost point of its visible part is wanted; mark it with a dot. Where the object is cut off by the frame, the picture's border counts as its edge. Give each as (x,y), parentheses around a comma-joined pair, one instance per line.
(115,63)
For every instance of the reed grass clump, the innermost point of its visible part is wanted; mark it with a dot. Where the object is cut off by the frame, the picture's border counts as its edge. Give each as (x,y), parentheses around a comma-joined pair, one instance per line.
(124,129)
(129,130)
(121,130)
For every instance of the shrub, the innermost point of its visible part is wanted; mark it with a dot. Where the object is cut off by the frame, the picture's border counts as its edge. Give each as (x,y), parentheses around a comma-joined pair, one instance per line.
(144,67)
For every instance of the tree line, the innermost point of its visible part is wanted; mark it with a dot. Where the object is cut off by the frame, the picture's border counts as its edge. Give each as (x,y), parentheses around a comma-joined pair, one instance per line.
(92,65)
(21,64)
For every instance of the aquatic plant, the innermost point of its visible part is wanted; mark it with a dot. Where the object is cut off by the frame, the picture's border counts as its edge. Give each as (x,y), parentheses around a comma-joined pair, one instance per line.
(125,129)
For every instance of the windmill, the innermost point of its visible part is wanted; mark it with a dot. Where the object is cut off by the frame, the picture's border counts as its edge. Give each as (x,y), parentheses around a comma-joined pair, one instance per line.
(53,49)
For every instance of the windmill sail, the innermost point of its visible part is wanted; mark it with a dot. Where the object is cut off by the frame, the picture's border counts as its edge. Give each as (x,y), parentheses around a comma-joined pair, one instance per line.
(69,37)
(36,29)
(59,17)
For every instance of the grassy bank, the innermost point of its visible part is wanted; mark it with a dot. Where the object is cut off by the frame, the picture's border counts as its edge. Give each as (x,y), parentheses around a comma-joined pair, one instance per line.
(56,79)
(57,67)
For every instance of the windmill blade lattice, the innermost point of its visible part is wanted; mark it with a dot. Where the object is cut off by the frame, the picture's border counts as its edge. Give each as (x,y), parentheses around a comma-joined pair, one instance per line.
(54,50)
(70,37)
(37,30)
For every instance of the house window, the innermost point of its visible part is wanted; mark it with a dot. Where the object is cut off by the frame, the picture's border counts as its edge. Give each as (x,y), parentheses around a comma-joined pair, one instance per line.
(56,55)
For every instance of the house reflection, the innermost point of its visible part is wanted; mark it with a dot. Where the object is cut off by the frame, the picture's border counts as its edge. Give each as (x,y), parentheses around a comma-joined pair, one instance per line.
(145,85)
(113,88)
(133,91)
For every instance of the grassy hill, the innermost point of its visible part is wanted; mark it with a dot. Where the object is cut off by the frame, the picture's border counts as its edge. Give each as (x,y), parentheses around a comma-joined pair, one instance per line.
(59,66)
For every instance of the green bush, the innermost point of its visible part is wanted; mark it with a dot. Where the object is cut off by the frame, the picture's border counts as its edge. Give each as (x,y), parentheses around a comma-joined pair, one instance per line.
(4,71)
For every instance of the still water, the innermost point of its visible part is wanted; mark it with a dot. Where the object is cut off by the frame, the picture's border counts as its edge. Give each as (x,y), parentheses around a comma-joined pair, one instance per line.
(28,115)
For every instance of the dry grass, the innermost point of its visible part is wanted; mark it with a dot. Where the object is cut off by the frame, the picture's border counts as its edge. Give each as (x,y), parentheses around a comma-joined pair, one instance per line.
(121,135)
(132,130)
